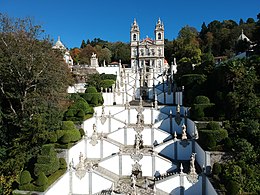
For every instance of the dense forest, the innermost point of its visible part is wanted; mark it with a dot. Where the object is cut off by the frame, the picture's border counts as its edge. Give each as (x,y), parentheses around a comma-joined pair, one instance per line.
(36,114)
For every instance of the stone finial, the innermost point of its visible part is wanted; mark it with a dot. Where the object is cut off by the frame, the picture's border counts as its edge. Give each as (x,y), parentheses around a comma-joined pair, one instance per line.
(181,169)
(175,135)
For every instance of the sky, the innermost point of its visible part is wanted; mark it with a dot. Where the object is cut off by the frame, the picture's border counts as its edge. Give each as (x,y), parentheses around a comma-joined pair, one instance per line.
(75,20)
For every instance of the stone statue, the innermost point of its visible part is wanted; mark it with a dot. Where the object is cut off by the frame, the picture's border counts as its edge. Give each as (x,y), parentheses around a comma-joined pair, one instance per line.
(184,134)
(94,55)
(133,181)
(192,161)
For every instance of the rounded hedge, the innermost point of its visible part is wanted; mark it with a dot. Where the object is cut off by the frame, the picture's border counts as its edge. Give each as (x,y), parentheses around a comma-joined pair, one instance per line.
(212,125)
(107,83)
(63,163)
(91,90)
(70,136)
(53,137)
(216,170)
(201,100)
(25,177)
(42,180)
(228,144)
(68,125)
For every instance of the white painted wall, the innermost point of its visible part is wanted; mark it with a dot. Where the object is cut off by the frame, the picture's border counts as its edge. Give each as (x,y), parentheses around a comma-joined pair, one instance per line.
(74,152)
(127,163)
(80,186)
(171,186)
(61,186)
(102,183)
(111,164)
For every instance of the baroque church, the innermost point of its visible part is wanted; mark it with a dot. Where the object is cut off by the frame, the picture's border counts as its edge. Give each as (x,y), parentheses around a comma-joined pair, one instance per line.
(147,52)
(141,140)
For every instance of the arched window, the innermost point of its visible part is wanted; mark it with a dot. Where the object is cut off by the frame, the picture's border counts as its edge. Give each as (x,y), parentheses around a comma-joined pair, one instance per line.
(159,36)
(134,37)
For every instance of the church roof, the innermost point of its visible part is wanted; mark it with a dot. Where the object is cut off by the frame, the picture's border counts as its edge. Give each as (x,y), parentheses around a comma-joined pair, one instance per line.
(243,37)
(59,44)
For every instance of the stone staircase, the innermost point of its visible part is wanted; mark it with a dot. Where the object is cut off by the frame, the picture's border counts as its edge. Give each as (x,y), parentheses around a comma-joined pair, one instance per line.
(106,174)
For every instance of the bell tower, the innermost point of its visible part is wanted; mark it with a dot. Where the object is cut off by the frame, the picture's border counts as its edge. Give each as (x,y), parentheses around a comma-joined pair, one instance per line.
(159,33)
(135,39)
(135,34)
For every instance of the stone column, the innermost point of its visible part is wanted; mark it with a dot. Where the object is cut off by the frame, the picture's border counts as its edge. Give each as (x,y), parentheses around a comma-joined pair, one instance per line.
(126,98)
(101,146)
(152,120)
(120,164)
(70,182)
(109,122)
(90,182)
(129,115)
(152,135)
(171,129)
(153,163)
(182,188)
(125,135)
(123,96)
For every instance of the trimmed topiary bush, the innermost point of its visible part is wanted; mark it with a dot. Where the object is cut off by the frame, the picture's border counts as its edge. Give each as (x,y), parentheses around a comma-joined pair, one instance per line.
(91,90)
(70,136)
(63,163)
(201,100)
(67,125)
(207,140)
(47,161)
(107,83)
(25,177)
(53,137)
(228,144)
(60,133)
(212,125)
(82,132)
(216,170)
(42,180)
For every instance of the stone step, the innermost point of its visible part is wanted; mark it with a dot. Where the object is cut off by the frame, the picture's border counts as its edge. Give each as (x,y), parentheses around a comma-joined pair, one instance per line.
(106,173)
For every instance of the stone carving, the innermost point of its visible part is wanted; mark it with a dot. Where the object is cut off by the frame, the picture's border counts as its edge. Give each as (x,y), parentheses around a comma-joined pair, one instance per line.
(192,176)
(137,170)
(133,181)
(140,118)
(137,156)
(94,55)
(192,162)
(80,168)
(184,134)
(94,137)
(103,118)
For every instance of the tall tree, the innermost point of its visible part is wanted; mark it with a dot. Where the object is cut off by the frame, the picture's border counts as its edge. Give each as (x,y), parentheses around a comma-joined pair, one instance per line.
(33,83)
